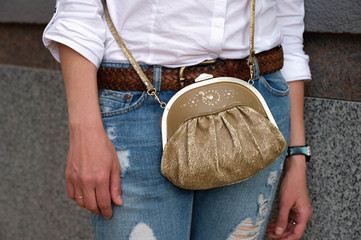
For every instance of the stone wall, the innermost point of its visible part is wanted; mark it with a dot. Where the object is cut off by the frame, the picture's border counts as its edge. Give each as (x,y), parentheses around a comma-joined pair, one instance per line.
(34,134)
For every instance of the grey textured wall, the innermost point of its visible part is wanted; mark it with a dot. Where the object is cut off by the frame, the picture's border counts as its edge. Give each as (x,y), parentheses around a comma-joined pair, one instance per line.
(25,11)
(34,142)
(333,16)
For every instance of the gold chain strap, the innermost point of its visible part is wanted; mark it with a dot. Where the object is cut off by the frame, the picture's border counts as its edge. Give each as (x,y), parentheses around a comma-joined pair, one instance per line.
(150,88)
(252,53)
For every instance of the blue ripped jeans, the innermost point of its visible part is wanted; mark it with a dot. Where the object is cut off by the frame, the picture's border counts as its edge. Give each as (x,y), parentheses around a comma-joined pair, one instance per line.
(154,208)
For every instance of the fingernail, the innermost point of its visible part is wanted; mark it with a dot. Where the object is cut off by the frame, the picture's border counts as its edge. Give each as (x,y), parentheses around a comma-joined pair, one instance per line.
(279,230)
(120,200)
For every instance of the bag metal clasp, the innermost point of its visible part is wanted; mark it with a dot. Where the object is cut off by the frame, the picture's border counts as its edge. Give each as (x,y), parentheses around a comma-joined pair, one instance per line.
(182,79)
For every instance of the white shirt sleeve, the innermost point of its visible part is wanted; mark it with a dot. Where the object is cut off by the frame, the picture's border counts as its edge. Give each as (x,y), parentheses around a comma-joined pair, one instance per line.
(79,25)
(290,15)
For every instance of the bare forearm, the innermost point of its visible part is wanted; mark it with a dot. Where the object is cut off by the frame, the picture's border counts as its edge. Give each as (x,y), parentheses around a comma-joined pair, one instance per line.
(81,88)
(297,135)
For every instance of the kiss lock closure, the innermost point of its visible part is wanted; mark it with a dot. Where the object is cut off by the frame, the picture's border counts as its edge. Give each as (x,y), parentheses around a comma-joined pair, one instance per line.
(203,77)
(182,79)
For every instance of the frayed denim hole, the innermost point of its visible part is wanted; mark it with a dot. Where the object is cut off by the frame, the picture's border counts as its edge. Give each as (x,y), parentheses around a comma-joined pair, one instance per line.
(142,231)
(123,158)
(251,229)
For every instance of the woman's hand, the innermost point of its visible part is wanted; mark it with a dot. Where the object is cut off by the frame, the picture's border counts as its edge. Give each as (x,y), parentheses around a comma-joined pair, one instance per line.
(93,169)
(294,205)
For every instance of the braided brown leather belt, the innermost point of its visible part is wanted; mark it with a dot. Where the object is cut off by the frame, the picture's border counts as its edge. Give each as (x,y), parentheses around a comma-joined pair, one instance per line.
(127,78)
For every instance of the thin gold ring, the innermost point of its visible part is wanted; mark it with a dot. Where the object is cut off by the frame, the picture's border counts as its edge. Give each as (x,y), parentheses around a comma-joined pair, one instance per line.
(78,197)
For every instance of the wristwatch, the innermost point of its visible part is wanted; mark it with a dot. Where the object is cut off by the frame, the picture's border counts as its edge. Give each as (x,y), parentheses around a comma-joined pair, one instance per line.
(300,150)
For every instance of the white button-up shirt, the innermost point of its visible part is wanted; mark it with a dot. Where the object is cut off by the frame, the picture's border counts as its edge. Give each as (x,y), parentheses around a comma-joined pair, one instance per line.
(180,33)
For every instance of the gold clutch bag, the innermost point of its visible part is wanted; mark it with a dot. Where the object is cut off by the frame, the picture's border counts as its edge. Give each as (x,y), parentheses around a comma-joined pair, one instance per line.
(218,132)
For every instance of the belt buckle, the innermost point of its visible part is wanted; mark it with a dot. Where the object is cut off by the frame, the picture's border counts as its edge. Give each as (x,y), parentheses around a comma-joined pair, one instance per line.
(182,79)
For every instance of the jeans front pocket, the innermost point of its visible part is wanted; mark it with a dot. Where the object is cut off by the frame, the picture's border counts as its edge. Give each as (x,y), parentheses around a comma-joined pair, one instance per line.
(275,91)
(114,103)
(275,84)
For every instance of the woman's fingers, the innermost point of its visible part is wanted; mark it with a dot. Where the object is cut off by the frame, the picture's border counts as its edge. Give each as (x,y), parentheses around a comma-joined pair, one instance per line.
(301,216)
(78,191)
(90,202)
(79,198)
(69,186)
(115,187)
(95,197)
(282,218)
(102,194)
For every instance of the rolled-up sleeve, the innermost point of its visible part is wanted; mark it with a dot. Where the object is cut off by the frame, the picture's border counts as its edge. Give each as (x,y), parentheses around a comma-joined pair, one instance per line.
(290,16)
(79,25)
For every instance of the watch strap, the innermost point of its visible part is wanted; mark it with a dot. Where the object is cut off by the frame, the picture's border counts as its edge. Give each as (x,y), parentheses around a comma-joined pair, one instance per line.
(300,150)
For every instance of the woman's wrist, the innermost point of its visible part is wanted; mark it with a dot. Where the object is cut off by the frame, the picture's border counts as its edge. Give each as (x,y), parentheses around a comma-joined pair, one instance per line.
(296,163)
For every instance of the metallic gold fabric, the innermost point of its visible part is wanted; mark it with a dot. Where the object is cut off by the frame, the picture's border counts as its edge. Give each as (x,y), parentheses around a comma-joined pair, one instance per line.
(221,149)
